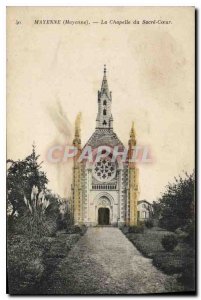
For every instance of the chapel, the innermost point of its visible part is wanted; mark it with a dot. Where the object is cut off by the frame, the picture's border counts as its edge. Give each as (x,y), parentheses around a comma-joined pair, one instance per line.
(104,192)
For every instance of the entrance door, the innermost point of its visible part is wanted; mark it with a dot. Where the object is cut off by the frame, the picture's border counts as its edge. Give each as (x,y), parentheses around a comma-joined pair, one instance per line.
(103,216)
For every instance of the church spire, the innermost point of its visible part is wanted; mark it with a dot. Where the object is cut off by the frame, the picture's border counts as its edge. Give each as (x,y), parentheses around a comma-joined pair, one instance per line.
(132,132)
(77,138)
(132,140)
(104,118)
(104,87)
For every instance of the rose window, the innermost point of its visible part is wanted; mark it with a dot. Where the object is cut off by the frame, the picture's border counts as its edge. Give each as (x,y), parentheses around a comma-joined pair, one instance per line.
(104,170)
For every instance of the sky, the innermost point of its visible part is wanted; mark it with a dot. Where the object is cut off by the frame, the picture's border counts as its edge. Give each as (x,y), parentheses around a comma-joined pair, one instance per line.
(55,71)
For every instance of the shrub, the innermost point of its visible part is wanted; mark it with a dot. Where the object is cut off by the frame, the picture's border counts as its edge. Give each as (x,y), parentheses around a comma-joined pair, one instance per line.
(169,242)
(190,234)
(136,229)
(24,263)
(149,223)
(10,224)
(125,229)
(63,221)
(35,225)
(77,229)
(83,229)
(140,223)
(170,263)
(188,274)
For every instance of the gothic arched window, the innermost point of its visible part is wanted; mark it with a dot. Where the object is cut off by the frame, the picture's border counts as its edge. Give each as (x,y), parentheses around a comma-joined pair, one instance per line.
(104,122)
(104,112)
(104,102)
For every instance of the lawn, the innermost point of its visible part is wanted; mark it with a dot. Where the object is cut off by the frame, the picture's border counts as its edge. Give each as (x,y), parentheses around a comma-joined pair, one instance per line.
(180,261)
(149,242)
(31,261)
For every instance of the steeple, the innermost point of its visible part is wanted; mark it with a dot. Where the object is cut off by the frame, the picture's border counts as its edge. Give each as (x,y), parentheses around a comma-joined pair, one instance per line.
(104,86)
(133,181)
(132,140)
(132,132)
(76,187)
(104,118)
(77,138)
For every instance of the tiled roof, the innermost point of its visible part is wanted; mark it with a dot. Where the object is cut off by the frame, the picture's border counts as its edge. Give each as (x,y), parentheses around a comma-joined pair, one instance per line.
(104,137)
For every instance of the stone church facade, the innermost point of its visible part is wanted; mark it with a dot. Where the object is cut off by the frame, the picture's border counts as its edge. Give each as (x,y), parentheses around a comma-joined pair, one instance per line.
(104,192)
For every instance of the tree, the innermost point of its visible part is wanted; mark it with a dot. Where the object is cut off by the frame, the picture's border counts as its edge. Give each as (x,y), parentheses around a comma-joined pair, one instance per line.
(55,201)
(176,206)
(156,210)
(22,175)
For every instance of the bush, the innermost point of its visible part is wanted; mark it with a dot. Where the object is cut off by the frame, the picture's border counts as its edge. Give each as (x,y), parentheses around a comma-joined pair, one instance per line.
(140,223)
(170,263)
(35,225)
(136,229)
(149,223)
(125,229)
(190,234)
(187,277)
(10,224)
(24,263)
(63,221)
(83,229)
(169,242)
(77,229)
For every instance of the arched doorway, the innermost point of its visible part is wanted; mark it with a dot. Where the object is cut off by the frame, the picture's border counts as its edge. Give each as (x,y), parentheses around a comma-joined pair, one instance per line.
(103,216)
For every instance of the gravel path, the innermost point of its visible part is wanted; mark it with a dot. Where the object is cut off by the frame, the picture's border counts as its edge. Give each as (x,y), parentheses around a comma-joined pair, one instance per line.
(104,261)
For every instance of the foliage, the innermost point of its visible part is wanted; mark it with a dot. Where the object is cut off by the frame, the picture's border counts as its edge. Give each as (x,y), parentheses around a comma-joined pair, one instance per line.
(37,202)
(55,202)
(32,208)
(187,277)
(34,221)
(169,242)
(64,221)
(77,229)
(34,248)
(180,261)
(149,223)
(176,206)
(24,263)
(168,262)
(156,210)
(41,215)
(125,229)
(148,242)
(35,225)
(22,175)
(32,261)
(11,221)
(136,229)
(190,238)
(140,223)
(64,218)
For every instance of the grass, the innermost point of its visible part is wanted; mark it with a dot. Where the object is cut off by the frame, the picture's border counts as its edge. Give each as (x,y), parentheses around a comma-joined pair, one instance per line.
(30,261)
(180,261)
(149,242)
